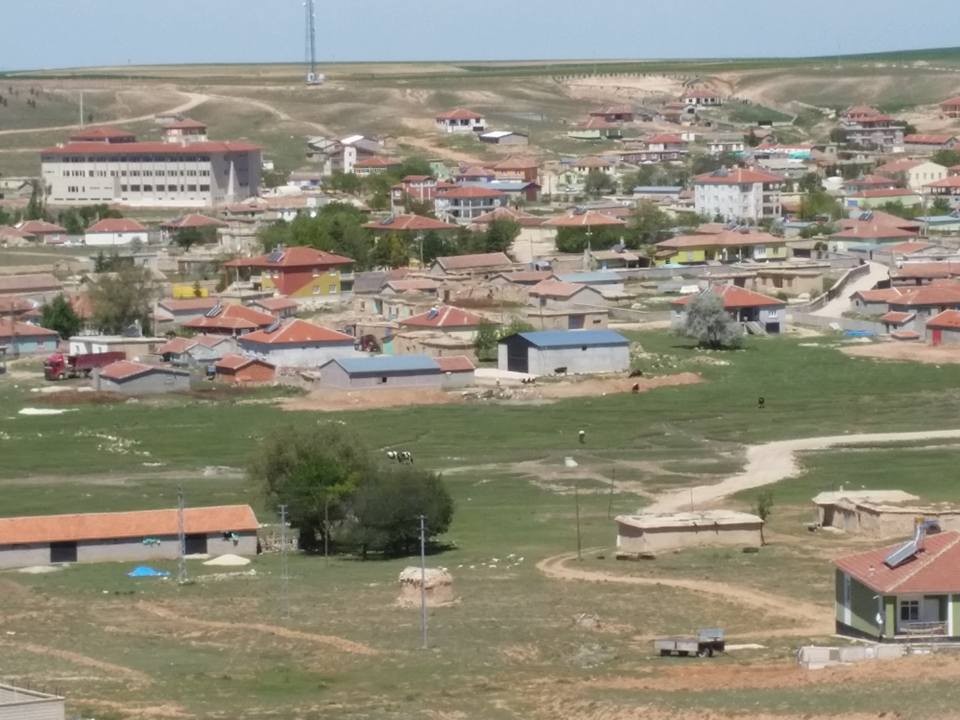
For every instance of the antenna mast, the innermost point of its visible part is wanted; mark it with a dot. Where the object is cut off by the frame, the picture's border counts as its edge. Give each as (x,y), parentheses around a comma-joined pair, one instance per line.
(181,539)
(313,77)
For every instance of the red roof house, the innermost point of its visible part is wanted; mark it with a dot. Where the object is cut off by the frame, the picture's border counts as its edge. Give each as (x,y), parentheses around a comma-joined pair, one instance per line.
(744,306)
(297,343)
(444,318)
(241,370)
(296,271)
(231,320)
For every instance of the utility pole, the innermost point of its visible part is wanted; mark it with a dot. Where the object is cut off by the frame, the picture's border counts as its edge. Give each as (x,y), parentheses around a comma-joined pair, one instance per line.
(576,499)
(284,574)
(82,119)
(326,531)
(613,484)
(181,539)
(423,580)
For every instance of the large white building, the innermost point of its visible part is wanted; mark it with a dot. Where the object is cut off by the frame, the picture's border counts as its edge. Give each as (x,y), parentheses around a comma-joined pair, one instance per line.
(183,170)
(741,194)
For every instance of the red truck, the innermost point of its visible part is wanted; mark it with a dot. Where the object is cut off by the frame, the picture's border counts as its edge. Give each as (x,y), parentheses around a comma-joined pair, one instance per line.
(59,366)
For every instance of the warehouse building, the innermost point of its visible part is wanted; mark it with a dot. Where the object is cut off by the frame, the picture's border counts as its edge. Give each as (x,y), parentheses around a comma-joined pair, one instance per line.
(298,344)
(650,533)
(139,536)
(134,378)
(551,352)
(382,371)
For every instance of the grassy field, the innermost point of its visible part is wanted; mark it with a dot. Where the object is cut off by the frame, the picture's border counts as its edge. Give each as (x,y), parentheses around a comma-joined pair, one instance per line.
(123,648)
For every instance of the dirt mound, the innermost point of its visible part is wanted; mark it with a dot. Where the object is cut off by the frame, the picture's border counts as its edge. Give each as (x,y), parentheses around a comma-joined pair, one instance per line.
(438,585)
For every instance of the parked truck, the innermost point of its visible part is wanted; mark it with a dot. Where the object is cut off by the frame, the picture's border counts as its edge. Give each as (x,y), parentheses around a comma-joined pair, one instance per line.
(59,366)
(705,643)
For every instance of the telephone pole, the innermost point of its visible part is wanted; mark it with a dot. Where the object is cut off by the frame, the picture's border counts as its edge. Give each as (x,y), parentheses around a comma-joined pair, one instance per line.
(284,575)
(181,539)
(423,580)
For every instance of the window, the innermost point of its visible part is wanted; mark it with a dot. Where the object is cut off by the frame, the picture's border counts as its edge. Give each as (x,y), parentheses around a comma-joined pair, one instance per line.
(909,610)
(383,380)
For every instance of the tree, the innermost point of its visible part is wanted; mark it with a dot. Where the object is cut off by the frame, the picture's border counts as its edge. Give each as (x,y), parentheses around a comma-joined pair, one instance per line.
(123,299)
(763,508)
(940,206)
(818,203)
(337,228)
(516,325)
(485,341)
(947,158)
(313,470)
(576,239)
(344,182)
(709,323)
(188,237)
(36,209)
(387,507)
(58,314)
(391,251)
(598,182)
(499,235)
(648,225)
(809,183)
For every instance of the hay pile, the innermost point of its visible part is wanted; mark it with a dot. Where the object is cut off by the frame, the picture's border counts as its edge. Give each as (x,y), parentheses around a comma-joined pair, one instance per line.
(439,587)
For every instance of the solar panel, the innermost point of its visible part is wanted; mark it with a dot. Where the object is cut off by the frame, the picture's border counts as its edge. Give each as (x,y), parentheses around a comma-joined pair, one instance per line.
(276,256)
(273,327)
(214,311)
(388,220)
(910,548)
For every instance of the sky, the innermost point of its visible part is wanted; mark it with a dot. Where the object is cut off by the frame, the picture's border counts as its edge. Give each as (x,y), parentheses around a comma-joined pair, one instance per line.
(79,33)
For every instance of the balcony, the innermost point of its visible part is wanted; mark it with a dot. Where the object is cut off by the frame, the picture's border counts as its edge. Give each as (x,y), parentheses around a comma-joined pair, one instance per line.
(915,629)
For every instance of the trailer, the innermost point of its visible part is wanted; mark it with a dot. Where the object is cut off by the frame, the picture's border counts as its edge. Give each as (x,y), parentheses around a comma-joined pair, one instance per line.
(59,366)
(706,643)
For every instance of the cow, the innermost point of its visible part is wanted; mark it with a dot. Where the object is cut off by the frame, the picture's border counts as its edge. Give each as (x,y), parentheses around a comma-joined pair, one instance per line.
(400,456)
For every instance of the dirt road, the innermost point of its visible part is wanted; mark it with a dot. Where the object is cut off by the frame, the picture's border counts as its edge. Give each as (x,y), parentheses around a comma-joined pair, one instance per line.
(813,619)
(840,304)
(906,352)
(775,461)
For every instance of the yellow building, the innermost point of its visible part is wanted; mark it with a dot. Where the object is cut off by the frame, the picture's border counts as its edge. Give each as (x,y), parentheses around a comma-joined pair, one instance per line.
(726,246)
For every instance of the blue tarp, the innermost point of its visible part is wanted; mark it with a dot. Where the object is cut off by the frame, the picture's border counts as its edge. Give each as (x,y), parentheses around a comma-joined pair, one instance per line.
(144,571)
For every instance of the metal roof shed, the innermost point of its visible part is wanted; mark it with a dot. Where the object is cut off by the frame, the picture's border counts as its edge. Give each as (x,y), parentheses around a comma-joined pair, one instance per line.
(551,352)
(383,371)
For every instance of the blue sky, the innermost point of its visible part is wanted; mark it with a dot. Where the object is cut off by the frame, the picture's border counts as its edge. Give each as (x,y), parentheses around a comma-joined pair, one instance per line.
(70,33)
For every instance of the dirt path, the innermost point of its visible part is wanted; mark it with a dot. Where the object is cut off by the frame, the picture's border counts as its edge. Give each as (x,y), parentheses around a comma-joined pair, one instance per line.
(840,304)
(775,461)
(272,109)
(111,669)
(906,352)
(194,100)
(338,643)
(814,619)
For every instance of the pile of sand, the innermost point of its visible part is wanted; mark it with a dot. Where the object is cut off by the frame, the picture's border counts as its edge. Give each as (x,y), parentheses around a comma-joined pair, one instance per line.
(43,411)
(40,569)
(439,587)
(228,560)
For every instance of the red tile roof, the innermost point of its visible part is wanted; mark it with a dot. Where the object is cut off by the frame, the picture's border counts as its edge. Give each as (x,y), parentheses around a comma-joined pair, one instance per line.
(726,238)
(185,124)
(948,182)
(951,102)
(459,114)
(469,191)
(200,305)
(413,285)
(127,369)
(906,248)
(868,180)
(928,139)
(897,318)
(193,220)
(39,227)
(928,295)
(898,166)
(292,257)
(905,335)
(597,123)
(176,346)
(10,327)
(409,223)
(137,524)
(102,134)
(868,230)
(275,304)
(935,569)
(735,297)
(926,270)
(520,217)
(15,305)
(297,332)
(116,225)
(884,192)
(238,362)
(32,282)
(377,161)
(590,218)
(477,260)
(737,176)
(527,276)
(149,148)
(666,139)
(455,364)
(947,320)
(556,289)
(445,316)
(232,317)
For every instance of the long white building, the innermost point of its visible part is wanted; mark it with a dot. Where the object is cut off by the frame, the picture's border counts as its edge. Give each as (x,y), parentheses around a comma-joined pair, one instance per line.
(741,194)
(183,170)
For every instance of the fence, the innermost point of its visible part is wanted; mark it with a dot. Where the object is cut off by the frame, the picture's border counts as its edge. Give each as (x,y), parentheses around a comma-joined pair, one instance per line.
(834,292)
(827,323)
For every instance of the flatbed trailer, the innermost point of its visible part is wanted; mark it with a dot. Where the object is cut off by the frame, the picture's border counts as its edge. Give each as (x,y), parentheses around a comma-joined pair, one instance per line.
(706,643)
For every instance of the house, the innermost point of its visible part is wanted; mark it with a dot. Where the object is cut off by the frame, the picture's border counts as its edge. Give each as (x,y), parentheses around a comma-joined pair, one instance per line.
(230,319)
(920,273)
(868,182)
(664,147)
(181,311)
(241,370)
(460,120)
(190,221)
(948,189)
(871,230)
(138,536)
(382,371)
(517,168)
(334,155)
(504,137)
(727,246)
(40,287)
(135,378)
(445,319)
(951,107)
(566,306)
(21,704)
(866,127)
(614,113)
(113,232)
(647,534)
(408,223)
(929,144)
(609,284)
(913,174)
(877,197)
(702,97)
(901,593)
(458,371)
(924,302)
(375,165)
(619,257)
(299,272)
(476,264)
(596,128)
(280,307)
(463,204)
(297,343)
(944,328)
(738,194)
(679,113)
(17,307)
(879,513)
(25,338)
(551,352)
(185,131)
(196,351)
(11,237)
(527,278)
(419,188)
(744,306)
(725,144)
(42,231)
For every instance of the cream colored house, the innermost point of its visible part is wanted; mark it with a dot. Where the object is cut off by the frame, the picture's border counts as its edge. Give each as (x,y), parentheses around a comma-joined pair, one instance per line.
(914,174)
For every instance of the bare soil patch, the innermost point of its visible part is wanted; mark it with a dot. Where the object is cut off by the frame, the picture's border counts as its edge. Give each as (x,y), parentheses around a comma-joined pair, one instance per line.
(110,669)
(906,352)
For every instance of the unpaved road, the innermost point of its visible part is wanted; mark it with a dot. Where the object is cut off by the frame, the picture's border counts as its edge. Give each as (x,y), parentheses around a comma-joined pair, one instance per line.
(841,304)
(775,461)
(814,619)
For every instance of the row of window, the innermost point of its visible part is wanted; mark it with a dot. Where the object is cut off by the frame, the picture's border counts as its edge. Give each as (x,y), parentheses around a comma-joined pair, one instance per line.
(163,188)
(135,158)
(136,173)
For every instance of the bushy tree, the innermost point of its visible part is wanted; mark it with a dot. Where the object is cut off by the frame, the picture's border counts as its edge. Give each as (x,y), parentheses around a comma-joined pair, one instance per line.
(344,182)
(648,225)
(575,239)
(817,203)
(485,341)
(709,323)
(947,158)
(188,237)
(598,183)
(763,508)
(123,298)
(391,251)
(516,325)
(58,314)
(499,235)
(336,228)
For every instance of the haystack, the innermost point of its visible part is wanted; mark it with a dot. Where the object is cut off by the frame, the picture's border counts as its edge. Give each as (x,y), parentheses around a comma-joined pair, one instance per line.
(438,585)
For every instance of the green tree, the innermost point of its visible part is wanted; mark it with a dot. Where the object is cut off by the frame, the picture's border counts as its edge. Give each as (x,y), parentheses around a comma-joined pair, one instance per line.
(314,470)
(947,158)
(58,314)
(817,204)
(387,508)
(344,182)
(709,323)
(575,240)
(336,228)
(810,183)
(648,225)
(763,508)
(186,238)
(940,206)
(391,251)
(516,325)
(500,235)
(122,299)
(485,341)
(598,183)
(36,209)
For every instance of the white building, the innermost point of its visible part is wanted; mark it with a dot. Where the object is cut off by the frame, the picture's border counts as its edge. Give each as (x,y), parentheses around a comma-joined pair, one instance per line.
(298,344)
(111,232)
(742,194)
(460,120)
(118,169)
(550,352)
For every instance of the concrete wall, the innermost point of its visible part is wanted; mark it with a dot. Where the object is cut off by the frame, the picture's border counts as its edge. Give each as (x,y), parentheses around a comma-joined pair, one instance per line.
(299,356)
(592,320)
(123,550)
(456,380)
(337,377)
(882,523)
(578,360)
(632,540)
(150,384)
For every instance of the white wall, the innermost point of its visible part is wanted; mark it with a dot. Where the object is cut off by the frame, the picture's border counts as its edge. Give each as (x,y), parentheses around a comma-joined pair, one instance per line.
(106,239)
(578,360)
(297,356)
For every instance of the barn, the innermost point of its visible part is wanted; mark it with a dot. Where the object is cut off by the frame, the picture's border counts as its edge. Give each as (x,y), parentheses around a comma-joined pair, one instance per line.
(458,371)
(578,351)
(239,369)
(134,378)
(382,371)
(650,533)
(139,536)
